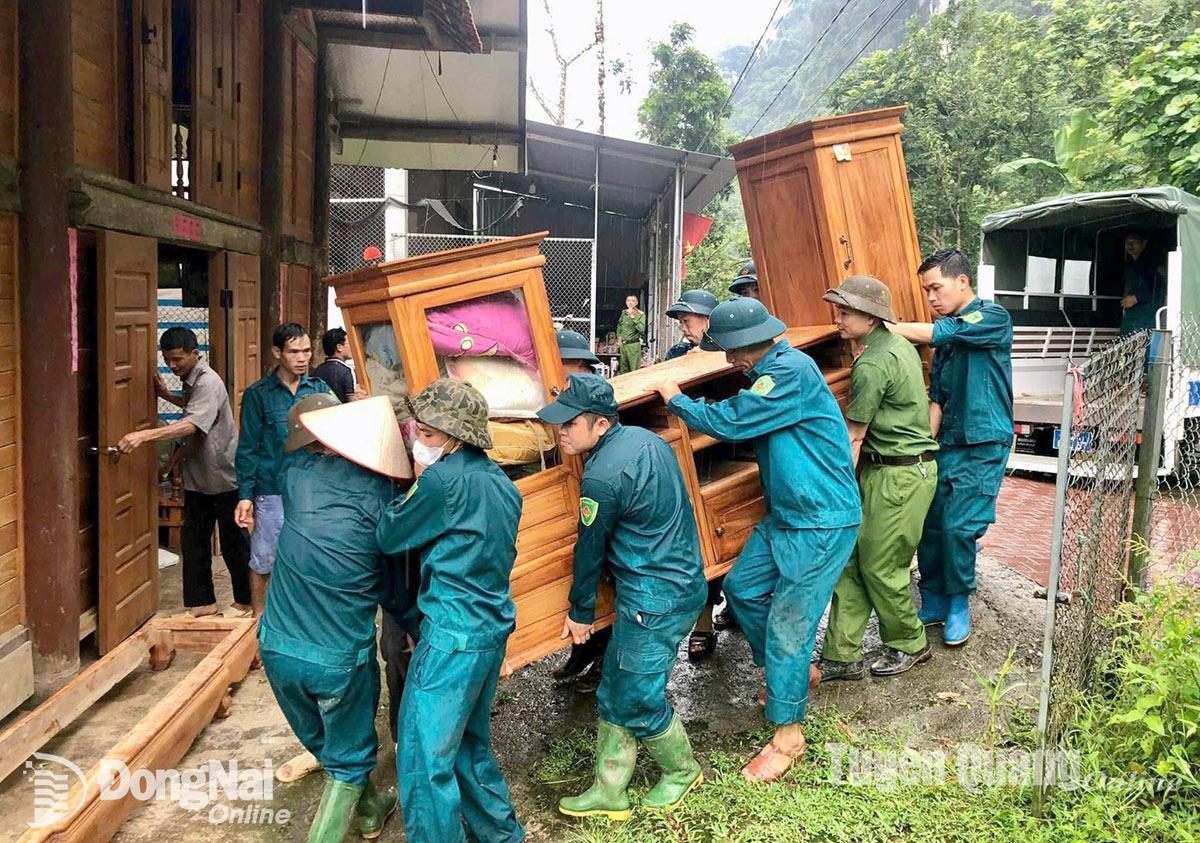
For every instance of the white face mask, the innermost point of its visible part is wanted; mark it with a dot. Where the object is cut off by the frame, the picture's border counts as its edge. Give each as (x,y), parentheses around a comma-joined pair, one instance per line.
(426,455)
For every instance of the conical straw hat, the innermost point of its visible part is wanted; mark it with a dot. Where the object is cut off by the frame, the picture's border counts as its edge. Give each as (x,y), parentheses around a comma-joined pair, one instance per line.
(364,432)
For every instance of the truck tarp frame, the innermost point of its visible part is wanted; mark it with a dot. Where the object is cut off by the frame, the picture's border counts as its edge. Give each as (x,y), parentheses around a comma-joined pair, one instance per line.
(1083,208)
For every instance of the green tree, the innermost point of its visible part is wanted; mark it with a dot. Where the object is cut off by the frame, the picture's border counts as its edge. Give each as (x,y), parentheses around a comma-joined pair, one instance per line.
(688,101)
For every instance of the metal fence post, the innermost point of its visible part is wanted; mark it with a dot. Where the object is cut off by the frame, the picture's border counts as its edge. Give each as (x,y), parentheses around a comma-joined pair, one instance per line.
(1056,552)
(1148,460)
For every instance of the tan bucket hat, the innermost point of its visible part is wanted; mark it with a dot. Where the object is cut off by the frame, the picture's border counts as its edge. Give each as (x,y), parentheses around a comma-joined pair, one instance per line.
(298,437)
(866,294)
(364,432)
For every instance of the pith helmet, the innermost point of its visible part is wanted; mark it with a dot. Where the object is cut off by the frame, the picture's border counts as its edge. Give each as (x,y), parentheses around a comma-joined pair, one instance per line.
(746,277)
(573,345)
(455,408)
(364,432)
(298,437)
(738,323)
(866,294)
(700,302)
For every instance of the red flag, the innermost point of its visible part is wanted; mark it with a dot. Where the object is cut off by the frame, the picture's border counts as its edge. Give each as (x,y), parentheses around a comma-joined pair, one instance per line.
(695,229)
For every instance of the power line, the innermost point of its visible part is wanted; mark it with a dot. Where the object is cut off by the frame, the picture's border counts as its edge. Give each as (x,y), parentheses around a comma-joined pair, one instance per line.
(814,100)
(741,75)
(798,67)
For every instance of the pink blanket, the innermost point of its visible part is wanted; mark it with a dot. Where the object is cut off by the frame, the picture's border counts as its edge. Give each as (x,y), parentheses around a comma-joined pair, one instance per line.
(492,326)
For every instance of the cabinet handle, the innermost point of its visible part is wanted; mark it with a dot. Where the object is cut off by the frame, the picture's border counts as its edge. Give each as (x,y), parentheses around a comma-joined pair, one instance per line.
(845,241)
(720,531)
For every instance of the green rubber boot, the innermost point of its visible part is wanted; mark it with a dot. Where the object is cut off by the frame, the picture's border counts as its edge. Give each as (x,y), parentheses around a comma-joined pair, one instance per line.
(374,808)
(616,755)
(335,813)
(672,752)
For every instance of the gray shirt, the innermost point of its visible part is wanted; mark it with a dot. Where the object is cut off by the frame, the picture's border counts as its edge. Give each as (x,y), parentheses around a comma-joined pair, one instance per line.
(208,454)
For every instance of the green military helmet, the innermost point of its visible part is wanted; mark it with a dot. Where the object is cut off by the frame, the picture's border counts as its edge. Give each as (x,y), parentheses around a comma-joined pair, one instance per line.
(866,294)
(297,435)
(699,302)
(456,409)
(573,345)
(740,322)
(747,276)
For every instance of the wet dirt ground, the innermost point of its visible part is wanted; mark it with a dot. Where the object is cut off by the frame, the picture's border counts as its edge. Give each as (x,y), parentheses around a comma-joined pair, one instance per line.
(944,700)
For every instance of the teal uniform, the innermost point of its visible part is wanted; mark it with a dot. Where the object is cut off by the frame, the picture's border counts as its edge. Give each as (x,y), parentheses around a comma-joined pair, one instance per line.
(971,380)
(263,430)
(317,633)
(461,517)
(782,581)
(1143,280)
(636,516)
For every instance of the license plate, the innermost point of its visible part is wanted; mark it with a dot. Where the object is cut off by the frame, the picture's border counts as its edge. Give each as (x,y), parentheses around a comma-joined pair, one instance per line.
(1081,440)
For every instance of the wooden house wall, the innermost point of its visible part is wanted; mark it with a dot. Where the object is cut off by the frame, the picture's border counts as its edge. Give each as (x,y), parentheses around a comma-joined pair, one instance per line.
(8,77)
(95,32)
(299,136)
(12,590)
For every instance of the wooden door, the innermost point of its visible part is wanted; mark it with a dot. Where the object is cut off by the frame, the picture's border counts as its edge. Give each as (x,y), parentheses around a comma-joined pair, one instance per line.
(128,518)
(871,222)
(248,95)
(299,141)
(214,114)
(152,93)
(242,279)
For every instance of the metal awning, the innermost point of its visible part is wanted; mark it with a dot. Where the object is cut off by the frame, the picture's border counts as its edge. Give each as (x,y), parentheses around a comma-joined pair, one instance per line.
(404,101)
(562,163)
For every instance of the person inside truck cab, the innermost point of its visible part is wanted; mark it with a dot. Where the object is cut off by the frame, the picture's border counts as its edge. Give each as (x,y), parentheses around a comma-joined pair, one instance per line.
(971,416)
(1145,286)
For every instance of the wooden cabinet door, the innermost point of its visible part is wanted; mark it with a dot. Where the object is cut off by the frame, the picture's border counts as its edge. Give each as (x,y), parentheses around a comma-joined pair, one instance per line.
(214,155)
(152,93)
(242,278)
(128,516)
(871,222)
(783,208)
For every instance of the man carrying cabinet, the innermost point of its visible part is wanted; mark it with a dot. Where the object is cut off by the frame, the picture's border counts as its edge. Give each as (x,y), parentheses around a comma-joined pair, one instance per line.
(634,514)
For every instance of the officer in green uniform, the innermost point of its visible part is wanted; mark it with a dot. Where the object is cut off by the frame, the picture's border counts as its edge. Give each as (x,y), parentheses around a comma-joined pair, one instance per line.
(636,516)
(317,632)
(888,417)
(461,517)
(970,414)
(780,584)
(576,353)
(631,331)
(692,311)
(745,283)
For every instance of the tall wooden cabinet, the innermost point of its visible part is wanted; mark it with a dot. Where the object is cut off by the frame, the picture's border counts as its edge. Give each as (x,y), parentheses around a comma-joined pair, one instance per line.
(826,199)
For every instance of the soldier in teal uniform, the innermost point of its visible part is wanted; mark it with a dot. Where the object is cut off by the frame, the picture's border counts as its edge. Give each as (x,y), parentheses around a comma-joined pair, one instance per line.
(461,518)
(1145,287)
(635,516)
(971,415)
(745,283)
(259,457)
(317,632)
(888,417)
(576,353)
(692,312)
(631,331)
(780,584)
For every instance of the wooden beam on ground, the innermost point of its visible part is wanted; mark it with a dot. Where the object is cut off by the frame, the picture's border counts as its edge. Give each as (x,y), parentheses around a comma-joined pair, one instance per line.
(28,734)
(159,740)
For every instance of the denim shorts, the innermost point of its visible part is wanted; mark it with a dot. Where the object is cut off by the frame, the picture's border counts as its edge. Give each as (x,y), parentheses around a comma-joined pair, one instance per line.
(268,521)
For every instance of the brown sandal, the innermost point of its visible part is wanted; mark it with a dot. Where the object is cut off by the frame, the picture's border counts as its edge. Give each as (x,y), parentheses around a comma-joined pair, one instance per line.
(762,769)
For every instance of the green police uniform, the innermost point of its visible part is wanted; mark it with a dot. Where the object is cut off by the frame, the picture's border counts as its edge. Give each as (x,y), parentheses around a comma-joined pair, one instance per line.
(631,330)
(781,582)
(317,633)
(887,393)
(971,380)
(461,517)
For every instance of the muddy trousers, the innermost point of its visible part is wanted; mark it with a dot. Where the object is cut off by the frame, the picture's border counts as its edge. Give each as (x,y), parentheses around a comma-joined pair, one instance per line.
(637,665)
(778,589)
(331,710)
(964,506)
(444,759)
(895,499)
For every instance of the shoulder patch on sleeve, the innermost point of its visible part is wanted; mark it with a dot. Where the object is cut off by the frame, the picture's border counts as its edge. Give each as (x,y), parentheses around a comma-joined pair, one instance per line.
(763,385)
(588,510)
(974,318)
(411,490)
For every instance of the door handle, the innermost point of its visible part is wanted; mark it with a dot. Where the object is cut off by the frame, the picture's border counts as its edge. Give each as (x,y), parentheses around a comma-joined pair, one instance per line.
(149,33)
(845,241)
(720,531)
(111,451)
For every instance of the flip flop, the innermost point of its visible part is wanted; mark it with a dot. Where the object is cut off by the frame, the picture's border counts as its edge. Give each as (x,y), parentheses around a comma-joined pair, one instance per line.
(297,768)
(701,645)
(762,769)
(234,612)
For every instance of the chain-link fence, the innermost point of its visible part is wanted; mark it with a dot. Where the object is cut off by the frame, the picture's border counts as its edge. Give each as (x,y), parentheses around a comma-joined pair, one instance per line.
(357,215)
(570,284)
(171,314)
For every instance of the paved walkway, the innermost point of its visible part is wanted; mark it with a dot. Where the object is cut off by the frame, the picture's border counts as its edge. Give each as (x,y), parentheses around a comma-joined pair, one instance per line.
(1020,538)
